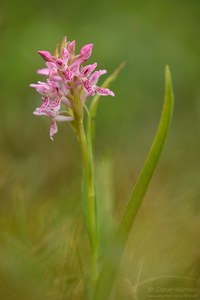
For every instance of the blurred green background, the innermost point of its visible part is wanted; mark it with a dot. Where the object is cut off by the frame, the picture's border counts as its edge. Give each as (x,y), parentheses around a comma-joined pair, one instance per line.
(41,227)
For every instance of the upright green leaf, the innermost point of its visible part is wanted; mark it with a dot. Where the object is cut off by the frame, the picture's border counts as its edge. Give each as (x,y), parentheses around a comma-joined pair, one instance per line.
(112,261)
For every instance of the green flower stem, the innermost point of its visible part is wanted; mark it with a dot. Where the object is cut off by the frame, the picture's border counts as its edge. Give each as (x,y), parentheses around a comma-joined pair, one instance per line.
(90,204)
(89,198)
(89,181)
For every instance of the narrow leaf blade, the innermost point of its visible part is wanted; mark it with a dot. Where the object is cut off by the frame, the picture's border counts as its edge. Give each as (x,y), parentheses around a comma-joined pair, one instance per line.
(112,261)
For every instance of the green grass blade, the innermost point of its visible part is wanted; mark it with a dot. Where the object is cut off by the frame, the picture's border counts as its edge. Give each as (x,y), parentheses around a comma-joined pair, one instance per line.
(151,161)
(112,261)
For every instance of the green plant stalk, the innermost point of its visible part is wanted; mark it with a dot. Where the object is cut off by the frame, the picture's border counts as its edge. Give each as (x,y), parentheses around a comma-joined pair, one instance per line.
(89,198)
(90,203)
(112,261)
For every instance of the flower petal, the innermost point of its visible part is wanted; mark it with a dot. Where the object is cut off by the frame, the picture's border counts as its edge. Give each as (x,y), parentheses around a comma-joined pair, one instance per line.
(68,74)
(38,112)
(44,71)
(61,118)
(52,73)
(87,70)
(55,105)
(45,103)
(95,76)
(43,110)
(53,129)
(51,65)
(60,63)
(104,92)
(41,87)
(88,87)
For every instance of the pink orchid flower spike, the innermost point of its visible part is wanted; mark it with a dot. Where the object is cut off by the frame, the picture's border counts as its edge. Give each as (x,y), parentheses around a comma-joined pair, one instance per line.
(66,81)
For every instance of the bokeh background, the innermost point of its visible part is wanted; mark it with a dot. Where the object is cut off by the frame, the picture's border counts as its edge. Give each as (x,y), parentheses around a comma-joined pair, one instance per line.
(42,238)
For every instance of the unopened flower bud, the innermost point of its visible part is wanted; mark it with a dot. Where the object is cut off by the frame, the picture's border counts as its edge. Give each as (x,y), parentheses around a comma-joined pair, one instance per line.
(86,51)
(46,55)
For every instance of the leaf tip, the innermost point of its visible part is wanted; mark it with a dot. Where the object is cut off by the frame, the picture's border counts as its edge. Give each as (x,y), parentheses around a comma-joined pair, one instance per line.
(167,74)
(168,82)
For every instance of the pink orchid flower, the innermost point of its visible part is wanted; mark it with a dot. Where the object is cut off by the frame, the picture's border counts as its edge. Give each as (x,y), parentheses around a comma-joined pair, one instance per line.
(53,89)
(91,87)
(51,110)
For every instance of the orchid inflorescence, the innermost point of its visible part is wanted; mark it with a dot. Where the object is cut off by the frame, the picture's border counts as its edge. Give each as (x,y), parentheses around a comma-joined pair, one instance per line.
(68,84)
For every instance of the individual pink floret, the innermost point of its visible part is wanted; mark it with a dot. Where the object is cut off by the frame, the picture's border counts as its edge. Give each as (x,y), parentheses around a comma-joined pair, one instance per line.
(91,87)
(51,109)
